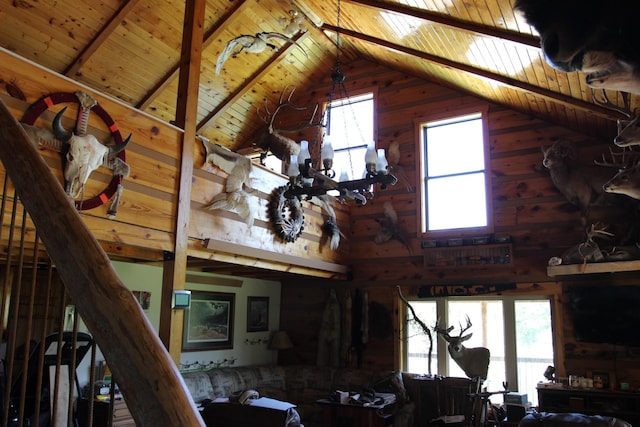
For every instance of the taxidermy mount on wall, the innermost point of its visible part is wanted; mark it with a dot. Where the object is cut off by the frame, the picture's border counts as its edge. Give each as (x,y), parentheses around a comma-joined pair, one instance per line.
(252,44)
(235,198)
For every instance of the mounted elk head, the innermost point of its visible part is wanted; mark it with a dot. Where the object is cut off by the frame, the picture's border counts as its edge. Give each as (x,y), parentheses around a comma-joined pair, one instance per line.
(586,35)
(274,139)
(83,153)
(473,361)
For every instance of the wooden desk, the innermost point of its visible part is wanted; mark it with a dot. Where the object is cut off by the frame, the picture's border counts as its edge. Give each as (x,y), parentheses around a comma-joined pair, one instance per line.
(347,415)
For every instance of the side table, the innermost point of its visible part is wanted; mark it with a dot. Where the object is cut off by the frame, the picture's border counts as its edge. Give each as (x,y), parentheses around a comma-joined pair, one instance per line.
(336,414)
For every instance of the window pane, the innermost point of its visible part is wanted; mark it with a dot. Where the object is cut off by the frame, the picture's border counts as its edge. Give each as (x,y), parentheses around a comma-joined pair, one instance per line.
(455,148)
(418,341)
(488,331)
(534,344)
(455,193)
(457,202)
(351,129)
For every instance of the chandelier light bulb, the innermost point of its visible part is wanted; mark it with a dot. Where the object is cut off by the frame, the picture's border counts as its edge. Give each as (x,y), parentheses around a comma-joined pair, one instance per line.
(293,169)
(371,158)
(381,164)
(344,176)
(327,154)
(304,154)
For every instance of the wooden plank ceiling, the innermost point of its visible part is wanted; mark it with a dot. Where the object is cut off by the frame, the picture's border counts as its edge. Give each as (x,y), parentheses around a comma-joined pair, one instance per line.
(130,49)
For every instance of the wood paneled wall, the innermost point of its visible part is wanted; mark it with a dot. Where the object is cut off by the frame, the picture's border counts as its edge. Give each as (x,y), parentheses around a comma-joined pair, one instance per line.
(144,227)
(526,206)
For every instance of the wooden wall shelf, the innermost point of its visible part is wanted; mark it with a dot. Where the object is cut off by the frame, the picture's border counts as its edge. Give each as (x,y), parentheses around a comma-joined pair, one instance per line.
(593,267)
(469,256)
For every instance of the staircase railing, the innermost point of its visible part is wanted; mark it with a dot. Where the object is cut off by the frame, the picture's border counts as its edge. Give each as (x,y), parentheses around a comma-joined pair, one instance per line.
(149,380)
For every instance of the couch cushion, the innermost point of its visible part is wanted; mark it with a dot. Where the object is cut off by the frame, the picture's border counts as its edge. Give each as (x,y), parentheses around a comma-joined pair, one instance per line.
(225,381)
(199,385)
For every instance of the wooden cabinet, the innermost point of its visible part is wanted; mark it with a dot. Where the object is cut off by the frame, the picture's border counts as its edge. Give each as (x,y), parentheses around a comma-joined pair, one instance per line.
(621,404)
(121,415)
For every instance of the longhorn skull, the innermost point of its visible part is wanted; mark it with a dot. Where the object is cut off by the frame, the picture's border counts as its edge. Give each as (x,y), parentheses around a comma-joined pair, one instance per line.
(84,153)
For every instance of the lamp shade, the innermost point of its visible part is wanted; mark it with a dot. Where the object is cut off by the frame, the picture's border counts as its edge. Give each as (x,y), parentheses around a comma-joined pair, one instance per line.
(280,341)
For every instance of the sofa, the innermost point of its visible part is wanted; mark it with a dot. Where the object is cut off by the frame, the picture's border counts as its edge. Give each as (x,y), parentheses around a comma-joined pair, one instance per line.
(299,385)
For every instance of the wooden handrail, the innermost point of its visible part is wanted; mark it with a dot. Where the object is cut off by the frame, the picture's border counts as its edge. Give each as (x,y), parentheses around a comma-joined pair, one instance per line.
(149,380)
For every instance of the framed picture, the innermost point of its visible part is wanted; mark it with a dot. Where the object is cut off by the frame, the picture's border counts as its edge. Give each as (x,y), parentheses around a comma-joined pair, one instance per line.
(257,314)
(602,379)
(208,323)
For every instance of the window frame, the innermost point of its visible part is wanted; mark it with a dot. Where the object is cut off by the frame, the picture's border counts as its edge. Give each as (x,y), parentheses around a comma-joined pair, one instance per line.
(420,125)
(340,94)
(440,363)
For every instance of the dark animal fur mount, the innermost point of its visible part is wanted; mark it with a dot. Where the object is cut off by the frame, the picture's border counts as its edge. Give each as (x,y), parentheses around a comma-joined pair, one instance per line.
(598,38)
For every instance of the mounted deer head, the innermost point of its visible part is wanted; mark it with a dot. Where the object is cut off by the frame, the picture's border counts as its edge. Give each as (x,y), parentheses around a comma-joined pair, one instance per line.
(627,180)
(273,139)
(473,361)
(628,125)
(580,184)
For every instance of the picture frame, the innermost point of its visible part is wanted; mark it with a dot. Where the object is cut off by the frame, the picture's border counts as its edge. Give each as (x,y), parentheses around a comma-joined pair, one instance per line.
(603,377)
(257,314)
(208,323)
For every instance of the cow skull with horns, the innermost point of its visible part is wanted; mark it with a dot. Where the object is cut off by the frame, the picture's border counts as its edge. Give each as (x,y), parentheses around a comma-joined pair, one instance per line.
(82,153)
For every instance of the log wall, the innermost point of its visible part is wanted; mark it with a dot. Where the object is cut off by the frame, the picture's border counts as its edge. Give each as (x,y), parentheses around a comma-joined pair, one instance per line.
(144,226)
(526,206)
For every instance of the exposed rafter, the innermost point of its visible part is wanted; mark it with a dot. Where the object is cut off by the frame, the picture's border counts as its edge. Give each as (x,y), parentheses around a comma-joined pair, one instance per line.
(447,20)
(101,37)
(508,81)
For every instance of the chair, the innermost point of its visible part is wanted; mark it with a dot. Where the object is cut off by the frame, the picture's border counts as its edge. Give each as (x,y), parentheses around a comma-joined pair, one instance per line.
(458,405)
(54,342)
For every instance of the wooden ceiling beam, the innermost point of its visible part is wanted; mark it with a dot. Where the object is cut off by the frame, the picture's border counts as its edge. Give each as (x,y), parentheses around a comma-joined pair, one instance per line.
(505,80)
(234,13)
(447,20)
(249,83)
(100,38)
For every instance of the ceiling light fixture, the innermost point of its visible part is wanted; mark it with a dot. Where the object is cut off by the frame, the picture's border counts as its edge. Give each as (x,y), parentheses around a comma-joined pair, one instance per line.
(308,180)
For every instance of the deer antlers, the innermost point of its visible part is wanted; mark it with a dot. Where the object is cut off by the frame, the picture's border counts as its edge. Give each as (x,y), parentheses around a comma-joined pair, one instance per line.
(273,139)
(445,332)
(269,117)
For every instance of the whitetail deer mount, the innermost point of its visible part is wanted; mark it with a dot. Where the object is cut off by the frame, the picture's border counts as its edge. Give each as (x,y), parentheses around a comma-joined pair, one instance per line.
(473,361)
(580,184)
(274,140)
(628,125)
(627,180)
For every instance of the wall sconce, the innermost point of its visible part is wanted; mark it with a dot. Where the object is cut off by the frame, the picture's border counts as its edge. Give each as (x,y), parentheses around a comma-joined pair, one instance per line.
(181,300)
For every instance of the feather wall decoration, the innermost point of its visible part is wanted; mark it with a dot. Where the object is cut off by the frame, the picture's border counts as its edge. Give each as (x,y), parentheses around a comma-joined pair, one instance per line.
(330,226)
(389,228)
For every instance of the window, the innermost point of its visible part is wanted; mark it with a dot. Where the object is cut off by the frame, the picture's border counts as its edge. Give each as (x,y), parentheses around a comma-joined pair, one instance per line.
(517,331)
(455,191)
(351,129)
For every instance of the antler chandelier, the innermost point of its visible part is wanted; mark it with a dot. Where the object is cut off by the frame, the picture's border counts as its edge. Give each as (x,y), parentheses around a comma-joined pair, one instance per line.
(307,180)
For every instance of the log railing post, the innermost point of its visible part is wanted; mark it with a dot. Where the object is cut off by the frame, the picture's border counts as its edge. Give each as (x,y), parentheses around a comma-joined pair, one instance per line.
(150,381)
